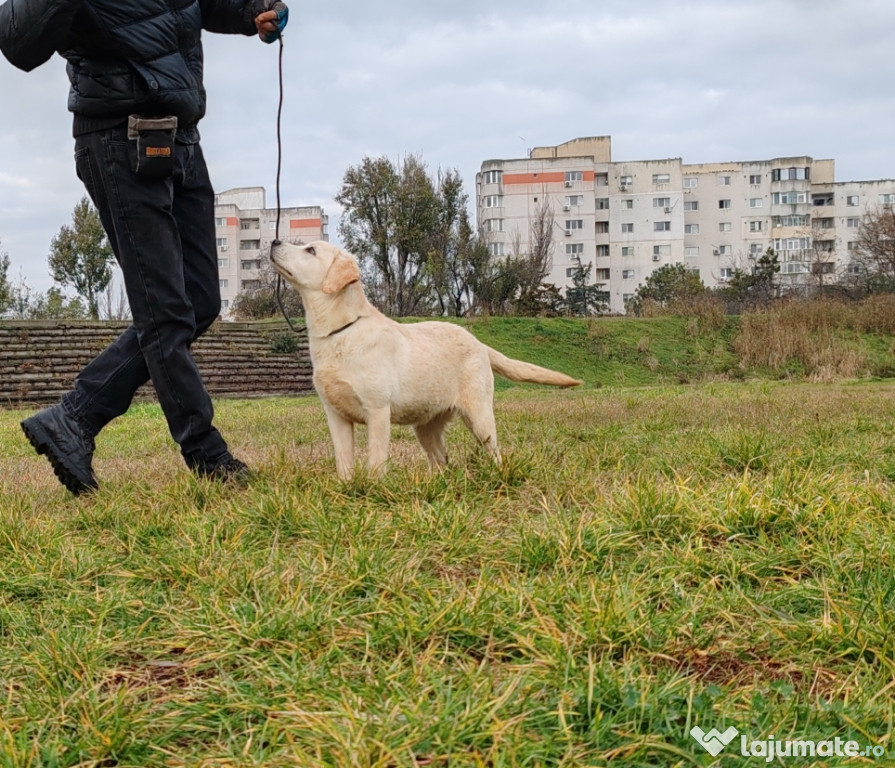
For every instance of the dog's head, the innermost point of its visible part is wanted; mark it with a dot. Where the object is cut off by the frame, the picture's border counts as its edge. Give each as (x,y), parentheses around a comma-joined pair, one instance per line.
(317,266)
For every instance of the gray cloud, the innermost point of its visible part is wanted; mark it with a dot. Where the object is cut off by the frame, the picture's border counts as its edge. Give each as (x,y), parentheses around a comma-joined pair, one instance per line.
(462,82)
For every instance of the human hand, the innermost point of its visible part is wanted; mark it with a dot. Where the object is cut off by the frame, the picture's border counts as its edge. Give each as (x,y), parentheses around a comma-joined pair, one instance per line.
(271,23)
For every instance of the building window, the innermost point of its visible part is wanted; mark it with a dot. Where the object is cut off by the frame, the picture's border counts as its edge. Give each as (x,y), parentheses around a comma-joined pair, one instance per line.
(691,205)
(724,203)
(493,225)
(570,271)
(755,178)
(792,244)
(627,250)
(852,200)
(789,198)
(574,249)
(222,263)
(627,274)
(225,303)
(250,265)
(790,174)
(852,245)
(220,221)
(661,178)
(755,202)
(495,249)
(887,199)
(574,200)
(602,227)
(690,182)
(724,250)
(603,250)
(661,226)
(724,181)
(790,221)
(251,285)
(493,201)
(724,226)
(627,227)
(601,180)
(625,182)
(602,203)
(628,204)
(221,243)
(574,176)
(574,224)
(691,250)
(223,283)
(691,229)
(726,273)
(492,177)
(661,250)
(755,226)
(661,202)
(755,249)
(249,245)
(853,222)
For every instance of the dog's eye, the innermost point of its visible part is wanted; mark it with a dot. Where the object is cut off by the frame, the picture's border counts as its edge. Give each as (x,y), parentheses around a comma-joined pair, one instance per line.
(311,250)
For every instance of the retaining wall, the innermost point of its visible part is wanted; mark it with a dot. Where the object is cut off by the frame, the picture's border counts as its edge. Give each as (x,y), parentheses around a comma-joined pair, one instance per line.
(39,360)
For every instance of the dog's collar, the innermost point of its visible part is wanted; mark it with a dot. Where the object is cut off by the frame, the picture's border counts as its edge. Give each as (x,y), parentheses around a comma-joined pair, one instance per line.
(347,325)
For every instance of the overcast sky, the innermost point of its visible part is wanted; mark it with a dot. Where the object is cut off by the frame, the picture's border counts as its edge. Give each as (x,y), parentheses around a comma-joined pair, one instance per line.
(461,82)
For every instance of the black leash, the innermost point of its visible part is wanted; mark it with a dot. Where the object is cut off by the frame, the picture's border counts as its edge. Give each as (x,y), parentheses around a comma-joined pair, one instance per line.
(279,291)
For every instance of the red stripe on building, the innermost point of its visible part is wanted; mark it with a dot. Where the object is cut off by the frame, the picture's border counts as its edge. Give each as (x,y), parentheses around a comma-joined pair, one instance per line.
(232,221)
(305,223)
(551,177)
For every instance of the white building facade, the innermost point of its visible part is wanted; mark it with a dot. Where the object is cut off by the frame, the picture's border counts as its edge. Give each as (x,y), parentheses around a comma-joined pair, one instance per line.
(629,218)
(245,228)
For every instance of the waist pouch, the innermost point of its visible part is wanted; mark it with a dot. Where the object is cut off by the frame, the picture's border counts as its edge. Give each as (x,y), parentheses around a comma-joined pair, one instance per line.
(152,145)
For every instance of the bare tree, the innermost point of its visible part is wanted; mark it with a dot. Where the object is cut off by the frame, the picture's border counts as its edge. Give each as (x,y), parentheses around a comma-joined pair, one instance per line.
(873,261)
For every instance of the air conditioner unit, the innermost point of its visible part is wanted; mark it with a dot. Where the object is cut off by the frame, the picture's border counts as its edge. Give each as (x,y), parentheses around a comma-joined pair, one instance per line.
(568,233)
(568,183)
(624,186)
(567,207)
(223,247)
(667,209)
(656,257)
(716,252)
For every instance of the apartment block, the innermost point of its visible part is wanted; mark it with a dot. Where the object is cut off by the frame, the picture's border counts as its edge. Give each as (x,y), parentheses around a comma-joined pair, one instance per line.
(629,218)
(245,228)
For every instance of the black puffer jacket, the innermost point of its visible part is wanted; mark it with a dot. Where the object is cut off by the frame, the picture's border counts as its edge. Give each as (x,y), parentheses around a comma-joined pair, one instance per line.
(124,56)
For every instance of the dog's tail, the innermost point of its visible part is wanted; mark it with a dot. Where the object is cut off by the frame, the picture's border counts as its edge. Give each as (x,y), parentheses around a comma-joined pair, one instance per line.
(517,370)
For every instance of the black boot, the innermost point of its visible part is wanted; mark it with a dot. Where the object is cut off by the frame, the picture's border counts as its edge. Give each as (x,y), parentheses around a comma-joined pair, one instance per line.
(225,468)
(67,444)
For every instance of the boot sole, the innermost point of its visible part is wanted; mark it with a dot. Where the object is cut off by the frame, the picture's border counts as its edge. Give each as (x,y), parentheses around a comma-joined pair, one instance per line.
(65,472)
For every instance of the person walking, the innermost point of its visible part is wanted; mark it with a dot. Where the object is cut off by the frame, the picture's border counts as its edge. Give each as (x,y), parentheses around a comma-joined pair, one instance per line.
(136,73)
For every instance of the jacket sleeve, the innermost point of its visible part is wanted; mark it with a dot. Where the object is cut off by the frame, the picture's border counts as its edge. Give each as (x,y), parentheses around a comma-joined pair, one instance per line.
(32,30)
(234,17)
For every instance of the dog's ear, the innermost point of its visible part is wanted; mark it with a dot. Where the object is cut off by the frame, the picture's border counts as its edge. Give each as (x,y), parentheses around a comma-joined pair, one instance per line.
(341,273)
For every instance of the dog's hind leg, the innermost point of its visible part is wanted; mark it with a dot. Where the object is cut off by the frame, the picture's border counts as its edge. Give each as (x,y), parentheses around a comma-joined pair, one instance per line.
(342,432)
(479,417)
(431,437)
(379,427)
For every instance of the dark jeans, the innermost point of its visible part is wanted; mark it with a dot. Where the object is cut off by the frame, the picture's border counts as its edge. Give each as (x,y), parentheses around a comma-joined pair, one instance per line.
(162,233)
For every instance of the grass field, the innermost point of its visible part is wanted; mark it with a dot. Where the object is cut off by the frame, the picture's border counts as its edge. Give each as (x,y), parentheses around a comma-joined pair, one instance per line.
(646,561)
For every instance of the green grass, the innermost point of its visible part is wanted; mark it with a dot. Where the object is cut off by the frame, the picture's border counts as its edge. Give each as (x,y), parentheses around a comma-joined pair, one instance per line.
(646,560)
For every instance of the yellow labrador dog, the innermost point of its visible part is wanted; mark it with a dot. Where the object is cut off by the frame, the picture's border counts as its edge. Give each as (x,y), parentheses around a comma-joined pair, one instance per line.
(370,370)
